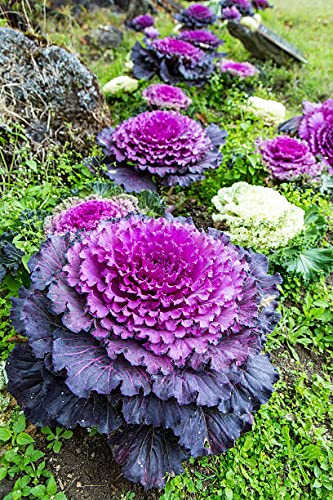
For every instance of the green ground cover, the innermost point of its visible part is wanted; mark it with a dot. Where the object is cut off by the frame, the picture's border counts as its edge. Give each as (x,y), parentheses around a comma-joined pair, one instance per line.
(289,453)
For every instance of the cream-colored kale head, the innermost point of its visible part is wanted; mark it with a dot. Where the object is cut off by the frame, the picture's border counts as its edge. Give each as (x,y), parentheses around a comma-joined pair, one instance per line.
(257,216)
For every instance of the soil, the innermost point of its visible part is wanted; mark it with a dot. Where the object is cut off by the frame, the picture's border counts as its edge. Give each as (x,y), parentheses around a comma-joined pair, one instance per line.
(85,470)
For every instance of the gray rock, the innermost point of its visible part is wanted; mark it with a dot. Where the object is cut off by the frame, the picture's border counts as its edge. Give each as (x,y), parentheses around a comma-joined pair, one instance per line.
(49,91)
(264,44)
(105,37)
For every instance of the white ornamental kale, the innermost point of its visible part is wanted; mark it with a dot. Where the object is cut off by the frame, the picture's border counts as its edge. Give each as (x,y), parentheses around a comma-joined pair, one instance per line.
(257,216)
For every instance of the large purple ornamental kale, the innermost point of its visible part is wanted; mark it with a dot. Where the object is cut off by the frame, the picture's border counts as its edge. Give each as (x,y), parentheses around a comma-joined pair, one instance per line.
(203,39)
(288,158)
(166,144)
(162,95)
(316,128)
(196,16)
(173,60)
(151,331)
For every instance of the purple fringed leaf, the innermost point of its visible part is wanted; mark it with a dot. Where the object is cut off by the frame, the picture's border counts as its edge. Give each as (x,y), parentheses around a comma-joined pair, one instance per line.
(217,135)
(49,261)
(150,410)
(68,410)
(187,386)
(235,349)
(65,299)
(146,454)
(46,399)
(266,283)
(31,316)
(268,319)
(290,127)
(15,312)
(187,422)
(139,356)
(90,369)
(223,429)
(253,384)
(145,62)
(131,180)
(26,384)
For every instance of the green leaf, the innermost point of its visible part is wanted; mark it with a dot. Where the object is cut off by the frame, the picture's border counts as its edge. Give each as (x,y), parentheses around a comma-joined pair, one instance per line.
(23,438)
(67,434)
(5,434)
(24,481)
(51,486)
(3,473)
(60,496)
(57,446)
(310,262)
(19,425)
(39,491)
(12,456)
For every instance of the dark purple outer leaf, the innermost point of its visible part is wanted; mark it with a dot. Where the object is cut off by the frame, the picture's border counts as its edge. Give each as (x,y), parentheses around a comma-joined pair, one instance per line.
(131,180)
(187,386)
(49,261)
(217,136)
(253,384)
(223,429)
(147,454)
(187,422)
(31,316)
(46,399)
(290,127)
(90,369)
(64,299)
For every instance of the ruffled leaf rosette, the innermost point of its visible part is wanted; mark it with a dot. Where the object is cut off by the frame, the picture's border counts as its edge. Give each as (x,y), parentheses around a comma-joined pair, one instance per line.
(151,331)
(196,16)
(162,146)
(173,60)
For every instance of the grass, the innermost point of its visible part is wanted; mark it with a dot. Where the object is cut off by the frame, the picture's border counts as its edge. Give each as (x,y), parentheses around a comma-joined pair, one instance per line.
(288,454)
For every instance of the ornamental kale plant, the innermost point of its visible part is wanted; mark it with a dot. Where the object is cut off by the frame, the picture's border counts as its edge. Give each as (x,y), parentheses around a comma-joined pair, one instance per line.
(243,7)
(240,69)
(151,331)
(235,9)
(76,214)
(203,39)
(256,216)
(173,61)
(140,23)
(288,158)
(162,95)
(172,147)
(230,13)
(316,128)
(196,16)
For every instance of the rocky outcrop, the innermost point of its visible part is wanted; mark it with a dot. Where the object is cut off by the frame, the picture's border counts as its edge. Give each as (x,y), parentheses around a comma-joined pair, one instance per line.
(50,92)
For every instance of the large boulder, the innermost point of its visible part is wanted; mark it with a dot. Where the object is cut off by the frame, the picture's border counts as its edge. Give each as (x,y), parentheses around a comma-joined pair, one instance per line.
(50,92)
